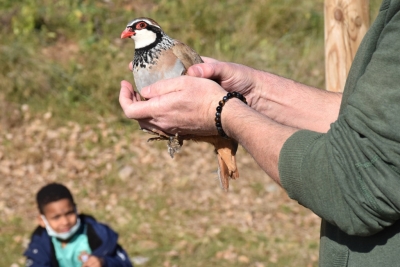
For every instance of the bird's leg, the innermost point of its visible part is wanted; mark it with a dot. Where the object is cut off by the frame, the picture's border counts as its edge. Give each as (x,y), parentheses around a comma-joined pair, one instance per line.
(174,141)
(174,145)
(160,134)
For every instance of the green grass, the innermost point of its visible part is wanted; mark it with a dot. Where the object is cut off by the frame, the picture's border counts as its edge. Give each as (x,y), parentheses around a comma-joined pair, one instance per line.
(66,57)
(70,52)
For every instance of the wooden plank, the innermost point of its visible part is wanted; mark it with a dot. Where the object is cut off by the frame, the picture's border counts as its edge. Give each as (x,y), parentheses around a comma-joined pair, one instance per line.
(346,22)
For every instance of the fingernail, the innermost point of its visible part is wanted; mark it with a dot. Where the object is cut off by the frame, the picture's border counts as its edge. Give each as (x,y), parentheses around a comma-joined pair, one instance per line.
(197,71)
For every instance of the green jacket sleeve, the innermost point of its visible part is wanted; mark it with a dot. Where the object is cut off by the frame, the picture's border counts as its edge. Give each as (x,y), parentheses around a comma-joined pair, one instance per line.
(350,176)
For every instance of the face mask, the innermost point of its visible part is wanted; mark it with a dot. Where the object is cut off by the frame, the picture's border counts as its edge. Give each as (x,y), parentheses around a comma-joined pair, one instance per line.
(62,236)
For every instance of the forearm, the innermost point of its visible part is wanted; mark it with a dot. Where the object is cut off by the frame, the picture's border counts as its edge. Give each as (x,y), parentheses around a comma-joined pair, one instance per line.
(283,100)
(295,104)
(262,137)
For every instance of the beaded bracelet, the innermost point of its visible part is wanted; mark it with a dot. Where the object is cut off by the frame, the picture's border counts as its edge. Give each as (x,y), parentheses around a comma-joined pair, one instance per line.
(221,103)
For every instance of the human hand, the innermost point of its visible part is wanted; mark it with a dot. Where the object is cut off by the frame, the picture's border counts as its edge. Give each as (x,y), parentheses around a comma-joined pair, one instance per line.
(232,77)
(183,105)
(93,261)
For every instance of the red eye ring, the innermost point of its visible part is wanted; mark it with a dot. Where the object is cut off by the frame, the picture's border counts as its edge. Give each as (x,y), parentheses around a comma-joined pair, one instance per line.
(141,25)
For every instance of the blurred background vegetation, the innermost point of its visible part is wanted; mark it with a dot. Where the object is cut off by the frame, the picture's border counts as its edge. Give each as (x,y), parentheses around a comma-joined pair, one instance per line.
(60,67)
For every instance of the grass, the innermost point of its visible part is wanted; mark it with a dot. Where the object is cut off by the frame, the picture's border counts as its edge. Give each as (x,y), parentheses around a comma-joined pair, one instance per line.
(60,67)
(53,50)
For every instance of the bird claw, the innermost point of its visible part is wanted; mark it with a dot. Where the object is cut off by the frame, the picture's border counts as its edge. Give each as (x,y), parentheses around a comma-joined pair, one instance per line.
(174,145)
(174,142)
(160,134)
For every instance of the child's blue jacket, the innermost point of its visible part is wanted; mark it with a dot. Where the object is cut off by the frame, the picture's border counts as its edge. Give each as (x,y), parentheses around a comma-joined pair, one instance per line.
(102,241)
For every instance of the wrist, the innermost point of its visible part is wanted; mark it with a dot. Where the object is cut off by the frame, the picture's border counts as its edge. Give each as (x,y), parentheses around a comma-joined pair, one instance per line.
(226,111)
(259,89)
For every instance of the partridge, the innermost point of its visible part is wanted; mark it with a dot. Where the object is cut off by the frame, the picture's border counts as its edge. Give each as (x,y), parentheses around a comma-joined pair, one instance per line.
(158,56)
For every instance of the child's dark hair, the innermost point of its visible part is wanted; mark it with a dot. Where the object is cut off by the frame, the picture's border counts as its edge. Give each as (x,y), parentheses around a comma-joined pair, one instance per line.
(51,193)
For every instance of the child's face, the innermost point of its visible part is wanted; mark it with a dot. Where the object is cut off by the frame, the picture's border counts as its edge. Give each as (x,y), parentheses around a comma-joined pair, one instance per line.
(60,214)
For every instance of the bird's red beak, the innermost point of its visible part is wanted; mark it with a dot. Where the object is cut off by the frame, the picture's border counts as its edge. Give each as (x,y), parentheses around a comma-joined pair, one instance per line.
(127,33)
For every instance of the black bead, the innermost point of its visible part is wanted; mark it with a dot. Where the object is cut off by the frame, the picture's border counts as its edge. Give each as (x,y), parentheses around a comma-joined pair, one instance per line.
(221,103)
(223,134)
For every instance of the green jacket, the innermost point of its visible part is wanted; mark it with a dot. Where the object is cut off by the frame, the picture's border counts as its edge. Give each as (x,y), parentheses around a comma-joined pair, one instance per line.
(350,176)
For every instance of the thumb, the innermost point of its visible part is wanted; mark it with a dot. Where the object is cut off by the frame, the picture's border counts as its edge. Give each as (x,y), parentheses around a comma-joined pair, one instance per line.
(217,71)
(205,70)
(196,71)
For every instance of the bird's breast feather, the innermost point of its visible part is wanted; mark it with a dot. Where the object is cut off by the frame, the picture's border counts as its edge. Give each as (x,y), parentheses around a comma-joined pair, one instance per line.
(159,71)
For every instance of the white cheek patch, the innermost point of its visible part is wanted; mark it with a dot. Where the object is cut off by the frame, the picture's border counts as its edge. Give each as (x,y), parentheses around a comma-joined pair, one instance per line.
(143,38)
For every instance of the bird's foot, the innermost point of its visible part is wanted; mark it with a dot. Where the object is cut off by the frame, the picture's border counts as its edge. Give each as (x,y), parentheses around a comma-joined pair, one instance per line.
(160,135)
(174,141)
(174,145)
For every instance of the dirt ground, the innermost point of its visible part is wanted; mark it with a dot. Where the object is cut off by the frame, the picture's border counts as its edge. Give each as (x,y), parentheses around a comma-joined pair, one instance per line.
(113,170)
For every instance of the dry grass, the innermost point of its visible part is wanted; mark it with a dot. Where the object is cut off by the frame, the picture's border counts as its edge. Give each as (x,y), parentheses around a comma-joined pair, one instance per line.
(170,211)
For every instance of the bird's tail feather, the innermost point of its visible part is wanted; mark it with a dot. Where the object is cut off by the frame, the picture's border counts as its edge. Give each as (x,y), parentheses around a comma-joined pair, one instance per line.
(227,168)
(226,151)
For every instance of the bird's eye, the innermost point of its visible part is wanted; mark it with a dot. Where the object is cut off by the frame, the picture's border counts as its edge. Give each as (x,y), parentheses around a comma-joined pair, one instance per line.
(141,25)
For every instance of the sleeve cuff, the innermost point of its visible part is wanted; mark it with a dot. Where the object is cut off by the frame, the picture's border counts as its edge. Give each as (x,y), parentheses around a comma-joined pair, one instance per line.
(291,161)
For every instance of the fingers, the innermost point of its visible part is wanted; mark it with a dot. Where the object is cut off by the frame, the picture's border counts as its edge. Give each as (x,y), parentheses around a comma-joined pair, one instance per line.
(130,101)
(219,71)
(130,66)
(198,69)
(215,70)
(165,87)
(206,70)
(126,94)
(127,85)
(136,109)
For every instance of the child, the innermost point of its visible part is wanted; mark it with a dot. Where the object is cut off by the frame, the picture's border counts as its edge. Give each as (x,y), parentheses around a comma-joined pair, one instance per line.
(66,239)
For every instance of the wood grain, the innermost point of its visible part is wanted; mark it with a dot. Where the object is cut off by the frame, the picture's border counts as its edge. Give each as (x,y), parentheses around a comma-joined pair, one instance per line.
(346,22)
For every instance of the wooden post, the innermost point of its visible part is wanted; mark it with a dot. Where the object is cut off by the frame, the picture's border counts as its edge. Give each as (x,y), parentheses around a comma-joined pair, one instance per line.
(346,22)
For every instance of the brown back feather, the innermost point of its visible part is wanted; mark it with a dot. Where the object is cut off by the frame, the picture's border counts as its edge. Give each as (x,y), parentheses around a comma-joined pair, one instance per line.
(186,55)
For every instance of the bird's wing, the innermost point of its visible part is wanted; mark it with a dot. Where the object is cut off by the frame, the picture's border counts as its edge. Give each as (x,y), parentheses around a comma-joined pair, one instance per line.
(186,55)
